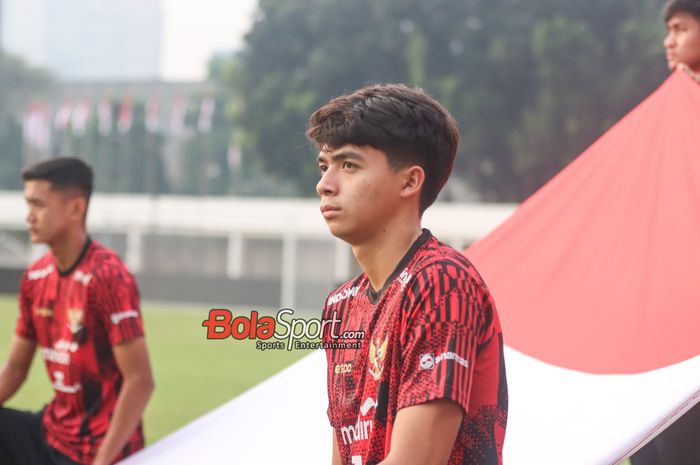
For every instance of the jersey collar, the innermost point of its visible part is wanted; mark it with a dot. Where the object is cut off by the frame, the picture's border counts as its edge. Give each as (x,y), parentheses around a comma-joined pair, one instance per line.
(75,264)
(373,295)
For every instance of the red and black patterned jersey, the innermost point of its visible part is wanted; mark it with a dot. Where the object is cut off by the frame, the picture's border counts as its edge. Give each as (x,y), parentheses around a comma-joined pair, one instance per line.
(431,333)
(76,318)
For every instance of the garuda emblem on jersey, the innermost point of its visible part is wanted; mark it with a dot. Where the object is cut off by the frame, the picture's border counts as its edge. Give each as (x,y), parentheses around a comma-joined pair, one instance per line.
(377,352)
(75,319)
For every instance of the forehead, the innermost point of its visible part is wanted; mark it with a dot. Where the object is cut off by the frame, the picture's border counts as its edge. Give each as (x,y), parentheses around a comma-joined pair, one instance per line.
(349,151)
(41,189)
(682,17)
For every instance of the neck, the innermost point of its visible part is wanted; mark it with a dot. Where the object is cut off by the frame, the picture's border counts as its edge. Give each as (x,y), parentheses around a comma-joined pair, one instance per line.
(379,255)
(67,250)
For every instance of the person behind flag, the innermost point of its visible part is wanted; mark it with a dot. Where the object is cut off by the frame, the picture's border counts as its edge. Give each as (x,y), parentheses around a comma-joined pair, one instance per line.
(682,43)
(80,306)
(680,443)
(426,384)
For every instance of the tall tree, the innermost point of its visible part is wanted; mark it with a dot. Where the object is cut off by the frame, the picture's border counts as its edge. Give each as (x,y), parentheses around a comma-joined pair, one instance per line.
(532,83)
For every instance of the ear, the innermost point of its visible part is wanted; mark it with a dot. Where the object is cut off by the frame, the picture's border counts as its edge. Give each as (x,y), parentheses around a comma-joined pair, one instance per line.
(413,178)
(78,207)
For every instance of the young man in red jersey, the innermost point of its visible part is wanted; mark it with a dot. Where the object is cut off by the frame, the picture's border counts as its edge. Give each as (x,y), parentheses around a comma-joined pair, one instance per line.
(428,385)
(80,305)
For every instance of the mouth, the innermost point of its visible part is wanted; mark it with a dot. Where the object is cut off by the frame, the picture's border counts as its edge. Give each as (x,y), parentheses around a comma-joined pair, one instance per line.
(329,211)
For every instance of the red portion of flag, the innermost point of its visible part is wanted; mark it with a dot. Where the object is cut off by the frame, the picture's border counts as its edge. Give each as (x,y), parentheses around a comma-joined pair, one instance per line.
(599,271)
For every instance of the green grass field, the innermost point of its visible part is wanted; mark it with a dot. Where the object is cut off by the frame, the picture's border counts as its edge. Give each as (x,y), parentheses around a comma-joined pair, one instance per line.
(193,374)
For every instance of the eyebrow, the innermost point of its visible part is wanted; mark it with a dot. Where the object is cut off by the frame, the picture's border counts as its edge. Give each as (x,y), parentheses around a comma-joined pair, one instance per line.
(343,155)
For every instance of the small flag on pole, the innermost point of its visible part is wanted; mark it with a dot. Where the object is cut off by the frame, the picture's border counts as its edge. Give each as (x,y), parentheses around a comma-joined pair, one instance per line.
(126,116)
(79,119)
(206,114)
(104,117)
(63,116)
(152,115)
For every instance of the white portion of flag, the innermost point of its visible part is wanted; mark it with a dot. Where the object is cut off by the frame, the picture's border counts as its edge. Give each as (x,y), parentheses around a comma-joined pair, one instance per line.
(556,416)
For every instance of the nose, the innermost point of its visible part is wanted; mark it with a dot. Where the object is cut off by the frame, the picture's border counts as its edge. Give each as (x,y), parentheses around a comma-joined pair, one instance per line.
(31,216)
(327,185)
(669,41)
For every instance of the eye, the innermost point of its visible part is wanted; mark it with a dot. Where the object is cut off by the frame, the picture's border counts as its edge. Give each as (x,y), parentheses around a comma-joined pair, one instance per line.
(349,165)
(322,169)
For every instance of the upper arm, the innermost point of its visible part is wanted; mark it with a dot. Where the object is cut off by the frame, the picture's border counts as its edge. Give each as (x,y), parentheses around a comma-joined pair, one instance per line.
(425,434)
(21,354)
(115,296)
(336,451)
(133,361)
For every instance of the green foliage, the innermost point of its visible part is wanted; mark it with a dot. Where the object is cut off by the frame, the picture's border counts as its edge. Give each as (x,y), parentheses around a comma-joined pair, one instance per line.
(532,83)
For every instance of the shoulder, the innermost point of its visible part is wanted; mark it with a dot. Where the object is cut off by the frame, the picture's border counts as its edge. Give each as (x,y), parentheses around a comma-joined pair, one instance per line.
(442,284)
(439,265)
(40,268)
(103,265)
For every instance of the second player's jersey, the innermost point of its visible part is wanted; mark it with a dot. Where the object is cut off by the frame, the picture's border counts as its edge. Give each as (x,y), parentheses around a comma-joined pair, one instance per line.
(431,333)
(76,318)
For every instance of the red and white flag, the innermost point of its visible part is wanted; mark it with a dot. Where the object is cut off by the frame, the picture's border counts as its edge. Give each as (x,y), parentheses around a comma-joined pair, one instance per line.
(63,116)
(234,157)
(36,126)
(595,278)
(152,121)
(177,115)
(126,116)
(79,119)
(104,117)
(206,114)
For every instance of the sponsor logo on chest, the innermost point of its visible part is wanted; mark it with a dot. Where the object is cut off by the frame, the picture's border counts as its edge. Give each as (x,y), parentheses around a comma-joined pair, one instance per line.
(342,295)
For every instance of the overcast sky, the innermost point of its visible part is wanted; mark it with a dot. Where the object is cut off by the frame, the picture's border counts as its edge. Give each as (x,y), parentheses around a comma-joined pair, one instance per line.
(194,29)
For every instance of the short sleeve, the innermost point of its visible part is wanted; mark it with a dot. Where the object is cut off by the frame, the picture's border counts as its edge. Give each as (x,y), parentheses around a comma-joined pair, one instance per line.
(115,299)
(25,324)
(439,347)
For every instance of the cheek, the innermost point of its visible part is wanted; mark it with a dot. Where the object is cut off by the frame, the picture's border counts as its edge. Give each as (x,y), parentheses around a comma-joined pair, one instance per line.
(689,46)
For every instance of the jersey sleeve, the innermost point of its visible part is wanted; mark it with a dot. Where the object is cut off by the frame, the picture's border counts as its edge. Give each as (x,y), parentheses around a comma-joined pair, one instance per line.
(25,324)
(115,300)
(444,323)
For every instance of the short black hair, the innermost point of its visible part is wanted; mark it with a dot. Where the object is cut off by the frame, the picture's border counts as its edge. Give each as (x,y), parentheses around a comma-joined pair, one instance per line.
(62,173)
(681,6)
(405,123)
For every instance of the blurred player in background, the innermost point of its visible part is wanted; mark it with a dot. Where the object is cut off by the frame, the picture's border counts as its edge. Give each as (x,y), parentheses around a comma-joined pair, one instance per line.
(427,385)
(80,306)
(680,443)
